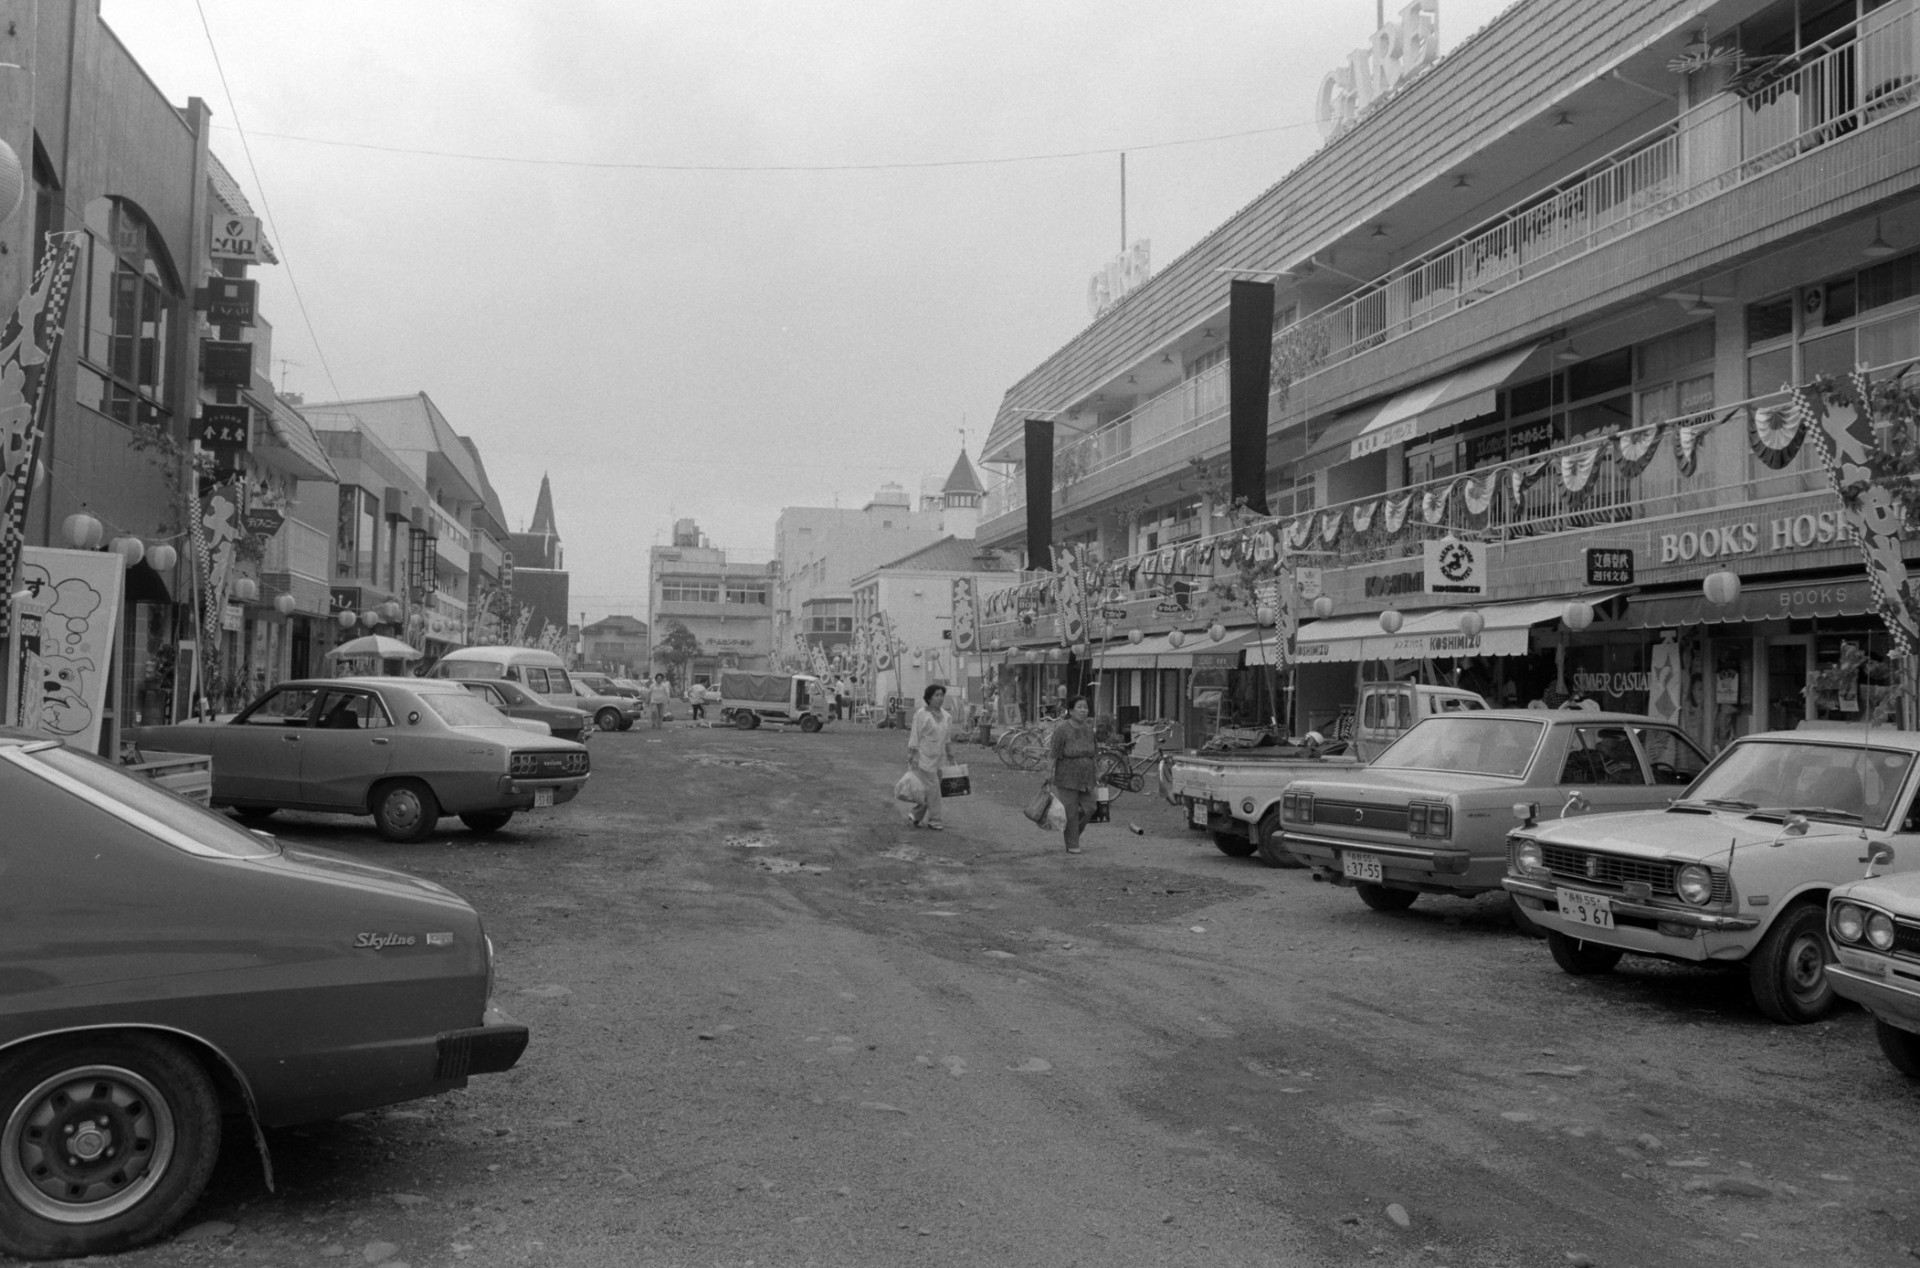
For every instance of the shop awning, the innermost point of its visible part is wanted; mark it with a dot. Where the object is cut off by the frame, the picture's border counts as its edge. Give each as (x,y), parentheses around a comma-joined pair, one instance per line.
(1782,601)
(1157,652)
(1437,403)
(1435,632)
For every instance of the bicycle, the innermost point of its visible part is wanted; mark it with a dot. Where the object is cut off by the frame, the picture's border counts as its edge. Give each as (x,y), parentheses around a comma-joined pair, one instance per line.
(1025,747)
(1120,769)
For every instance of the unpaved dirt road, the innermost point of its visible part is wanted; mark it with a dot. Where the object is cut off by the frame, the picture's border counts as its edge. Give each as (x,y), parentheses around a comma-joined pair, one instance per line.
(773,1026)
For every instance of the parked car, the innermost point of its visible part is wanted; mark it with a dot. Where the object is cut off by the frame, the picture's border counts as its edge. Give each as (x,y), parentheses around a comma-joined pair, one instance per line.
(541,672)
(1738,871)
(1874,924)
(1430,814)
(612,708)
(518,703)
(404,750)
(165,966)
(605,685)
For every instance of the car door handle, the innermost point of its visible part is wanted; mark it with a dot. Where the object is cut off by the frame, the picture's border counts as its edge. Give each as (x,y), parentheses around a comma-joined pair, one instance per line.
(382,741)
(291,739)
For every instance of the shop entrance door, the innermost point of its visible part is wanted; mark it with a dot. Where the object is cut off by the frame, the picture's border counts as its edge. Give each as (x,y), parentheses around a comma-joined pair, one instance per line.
(1789,661)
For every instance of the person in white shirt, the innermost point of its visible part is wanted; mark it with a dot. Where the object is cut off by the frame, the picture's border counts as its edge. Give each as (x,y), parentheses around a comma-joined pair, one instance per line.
(930,746)
(697,697)
(658,698)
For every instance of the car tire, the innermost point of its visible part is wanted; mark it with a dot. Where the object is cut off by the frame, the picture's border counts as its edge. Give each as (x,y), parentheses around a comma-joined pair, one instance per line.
(607,719)
(1788,972)
(1902,1047)
(1233,845)
(255,814)
(162,1120)
(626,723)
(405,810)
(1380,898)
(485,821)
(809,723)
(1580,957)
(1272,853)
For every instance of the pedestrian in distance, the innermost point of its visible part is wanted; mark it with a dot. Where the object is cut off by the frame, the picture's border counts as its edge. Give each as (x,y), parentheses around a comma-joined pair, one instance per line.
(657,699)
(697,698)
(929,747)
(1073,747)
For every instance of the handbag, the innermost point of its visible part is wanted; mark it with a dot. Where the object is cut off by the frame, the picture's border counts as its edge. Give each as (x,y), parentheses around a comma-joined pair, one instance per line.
(1039,805)
(954,782)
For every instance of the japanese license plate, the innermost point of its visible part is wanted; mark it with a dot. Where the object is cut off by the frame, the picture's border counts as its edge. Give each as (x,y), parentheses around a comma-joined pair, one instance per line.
(1361,866)
(542,798)
(1197,814)
(1585,909)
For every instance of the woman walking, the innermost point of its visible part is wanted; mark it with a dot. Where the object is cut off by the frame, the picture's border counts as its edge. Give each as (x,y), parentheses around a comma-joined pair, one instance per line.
(1073,748)
(929,746)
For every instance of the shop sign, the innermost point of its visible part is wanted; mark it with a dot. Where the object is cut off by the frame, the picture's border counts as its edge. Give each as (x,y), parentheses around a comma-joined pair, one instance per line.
(233,617)
(222,428)
(1309,583)
(728,642)
(263,521)
(1216,660)
(1386,438)
(1788,532)
(1454,567)
(1168,607)
(1113,614)
(1398,51)
(1391,583)
(236,238)
(1609,566)
(62,641)
(226,363)
(232,301)
(1615,684)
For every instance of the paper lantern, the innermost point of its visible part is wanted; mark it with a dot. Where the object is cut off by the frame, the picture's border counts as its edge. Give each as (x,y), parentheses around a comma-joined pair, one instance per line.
(162,558)
(83,531)
(346,619)
(1216,631)
(1577,616)
(369,618)
(1471,623)
(1323,607)
(390,611)
(1265,614)
(1391,620)
(129,548)
(999,644)
(284,604)
(1721,588)
(1176,638)
(1082,650)
(246,589)
(1135,637)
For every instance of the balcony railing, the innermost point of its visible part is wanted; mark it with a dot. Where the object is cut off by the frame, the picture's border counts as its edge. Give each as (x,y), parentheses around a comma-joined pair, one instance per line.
(300,549)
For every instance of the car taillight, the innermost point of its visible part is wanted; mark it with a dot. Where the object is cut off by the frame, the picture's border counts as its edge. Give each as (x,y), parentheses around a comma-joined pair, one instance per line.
(1429,819)
(576,763)
(1417,819)
(523,764)
(1296,807)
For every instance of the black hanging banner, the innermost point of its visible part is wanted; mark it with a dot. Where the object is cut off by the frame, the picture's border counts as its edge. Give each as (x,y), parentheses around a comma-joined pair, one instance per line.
(1040,493)
(1249,382)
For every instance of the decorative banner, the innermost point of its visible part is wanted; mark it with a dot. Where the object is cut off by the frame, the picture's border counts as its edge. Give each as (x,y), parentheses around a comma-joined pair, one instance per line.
(1397,512)
(1521,477)
(1576,468)
(31,340)
(1663,682)
(1637,448)
(1330,528)
(1300,532)
(1477,495)
(1363,516)
(62,642)
(966,616)
(1843,439)
(1776,435)
(219,531)
(1686,442)
(1433,503)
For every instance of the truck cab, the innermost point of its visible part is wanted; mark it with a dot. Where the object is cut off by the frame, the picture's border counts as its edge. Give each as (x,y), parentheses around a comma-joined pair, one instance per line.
(1387,709)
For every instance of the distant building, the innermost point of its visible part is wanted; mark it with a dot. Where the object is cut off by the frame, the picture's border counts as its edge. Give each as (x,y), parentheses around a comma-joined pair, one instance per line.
(916,592)
(616,645)
(539,569)
(725,599)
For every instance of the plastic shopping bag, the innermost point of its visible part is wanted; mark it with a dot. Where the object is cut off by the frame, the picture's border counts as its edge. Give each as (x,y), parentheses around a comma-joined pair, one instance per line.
(1039,806)
(1056,815)
(912,790)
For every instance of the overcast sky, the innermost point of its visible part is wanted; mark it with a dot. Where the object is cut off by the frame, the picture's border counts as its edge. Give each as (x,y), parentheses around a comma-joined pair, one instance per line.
(720,344)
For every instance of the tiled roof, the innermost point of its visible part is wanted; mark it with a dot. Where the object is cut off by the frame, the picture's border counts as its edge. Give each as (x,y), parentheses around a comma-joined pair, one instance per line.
(963,479)
(949,554)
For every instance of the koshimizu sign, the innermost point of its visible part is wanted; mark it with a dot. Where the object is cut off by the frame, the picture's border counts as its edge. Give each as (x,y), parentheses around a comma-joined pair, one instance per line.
(1454,567)
(1124,274)
(1397,52)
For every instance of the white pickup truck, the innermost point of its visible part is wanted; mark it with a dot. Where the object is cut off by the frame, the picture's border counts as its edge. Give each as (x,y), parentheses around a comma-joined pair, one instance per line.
(1235,793)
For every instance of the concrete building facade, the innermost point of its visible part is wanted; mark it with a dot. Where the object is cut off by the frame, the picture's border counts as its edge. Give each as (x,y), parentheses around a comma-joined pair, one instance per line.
(723,598)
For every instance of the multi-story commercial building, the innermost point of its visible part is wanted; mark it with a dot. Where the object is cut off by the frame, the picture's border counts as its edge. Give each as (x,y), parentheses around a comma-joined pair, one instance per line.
(723,598)
(489,576)
(917,594)
(372,510)
(1541,298)
(819,550)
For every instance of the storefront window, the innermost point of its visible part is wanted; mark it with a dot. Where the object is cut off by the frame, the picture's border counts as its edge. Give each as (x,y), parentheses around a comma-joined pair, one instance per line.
(127,295)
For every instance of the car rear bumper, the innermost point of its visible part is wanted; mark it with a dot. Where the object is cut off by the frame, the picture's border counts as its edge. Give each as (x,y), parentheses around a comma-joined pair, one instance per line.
(1430,868)
(489,1048)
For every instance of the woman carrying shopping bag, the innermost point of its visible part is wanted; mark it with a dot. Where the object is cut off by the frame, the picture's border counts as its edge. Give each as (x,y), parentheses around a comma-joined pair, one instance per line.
(929,747)
(1073,748)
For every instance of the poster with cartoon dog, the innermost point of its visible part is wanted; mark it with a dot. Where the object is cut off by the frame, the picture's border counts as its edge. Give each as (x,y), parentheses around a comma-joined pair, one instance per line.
(62,645)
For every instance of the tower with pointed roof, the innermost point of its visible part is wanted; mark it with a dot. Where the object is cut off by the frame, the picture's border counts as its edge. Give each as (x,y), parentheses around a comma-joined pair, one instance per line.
(540,578)
(960,500)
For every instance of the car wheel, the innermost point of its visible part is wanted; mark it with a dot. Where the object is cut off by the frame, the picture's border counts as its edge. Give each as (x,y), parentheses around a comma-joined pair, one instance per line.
(1579,957)
(1380,898)
(607,719)
(484,821)
(104,1144)
(626,723)
(809,723)
(1788,973)
(404,810)
(255,814)
(1233,845)
(744,719)
(1902,1047)
(1272,853)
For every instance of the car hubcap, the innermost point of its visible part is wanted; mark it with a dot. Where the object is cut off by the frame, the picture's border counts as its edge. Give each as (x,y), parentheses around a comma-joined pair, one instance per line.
(403,808)
(86,1145)
(1807,967)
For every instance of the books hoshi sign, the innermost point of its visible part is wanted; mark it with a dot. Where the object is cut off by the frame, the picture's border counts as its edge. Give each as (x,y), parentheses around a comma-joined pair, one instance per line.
(1454,567)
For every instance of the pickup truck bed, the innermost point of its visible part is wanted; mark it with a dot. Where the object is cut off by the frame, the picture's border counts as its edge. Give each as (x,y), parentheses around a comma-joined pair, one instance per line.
(1235,795)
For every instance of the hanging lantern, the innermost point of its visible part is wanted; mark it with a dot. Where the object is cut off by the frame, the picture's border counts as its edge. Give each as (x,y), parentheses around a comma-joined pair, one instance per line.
(1082,650)
(1176,638)
(162,558)
(345,618)
(1721,588)
(129,548)
(999,644)
(246,589)
(1471,623)
(1216,631)
(1265,614)
(916,658)
(369,618)
(284,604)
(1578,616)
(1135,637)
(1323,606)
(390,611)
(1391,620)
(84,532)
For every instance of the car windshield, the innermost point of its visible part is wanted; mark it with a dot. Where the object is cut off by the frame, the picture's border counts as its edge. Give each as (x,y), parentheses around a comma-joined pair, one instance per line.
(139,799)
(1465,743)
(462,709)
(1853,783)
(473,668)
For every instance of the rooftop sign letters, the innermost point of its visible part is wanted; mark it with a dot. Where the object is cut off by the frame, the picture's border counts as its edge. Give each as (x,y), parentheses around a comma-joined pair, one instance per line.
(1398,51)
(1123,274)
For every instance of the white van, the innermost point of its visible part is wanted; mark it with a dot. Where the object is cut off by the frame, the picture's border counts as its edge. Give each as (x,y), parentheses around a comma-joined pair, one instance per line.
(542,673)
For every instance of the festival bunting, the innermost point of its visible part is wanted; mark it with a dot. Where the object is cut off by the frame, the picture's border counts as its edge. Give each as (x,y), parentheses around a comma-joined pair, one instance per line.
(1433,504)
(1522,475)
(1576,467)
(1363,515)
(1776,434)
(1686,441)
(1477,494)
(1330,528)
(1637,448)
(1397,512)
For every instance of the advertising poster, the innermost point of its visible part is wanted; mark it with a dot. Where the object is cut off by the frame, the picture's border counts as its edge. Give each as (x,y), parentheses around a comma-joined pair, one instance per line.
(62,642)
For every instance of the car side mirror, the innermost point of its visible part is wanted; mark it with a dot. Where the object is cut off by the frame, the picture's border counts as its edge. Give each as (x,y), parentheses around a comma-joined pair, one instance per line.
(1792,826)
(1879,854)
(1576,803)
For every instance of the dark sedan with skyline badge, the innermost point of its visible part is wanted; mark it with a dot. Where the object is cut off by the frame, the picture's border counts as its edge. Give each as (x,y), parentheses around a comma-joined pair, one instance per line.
(516,701)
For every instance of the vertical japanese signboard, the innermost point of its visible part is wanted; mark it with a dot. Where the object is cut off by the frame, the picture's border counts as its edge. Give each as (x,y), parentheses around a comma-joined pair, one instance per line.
(61,646)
